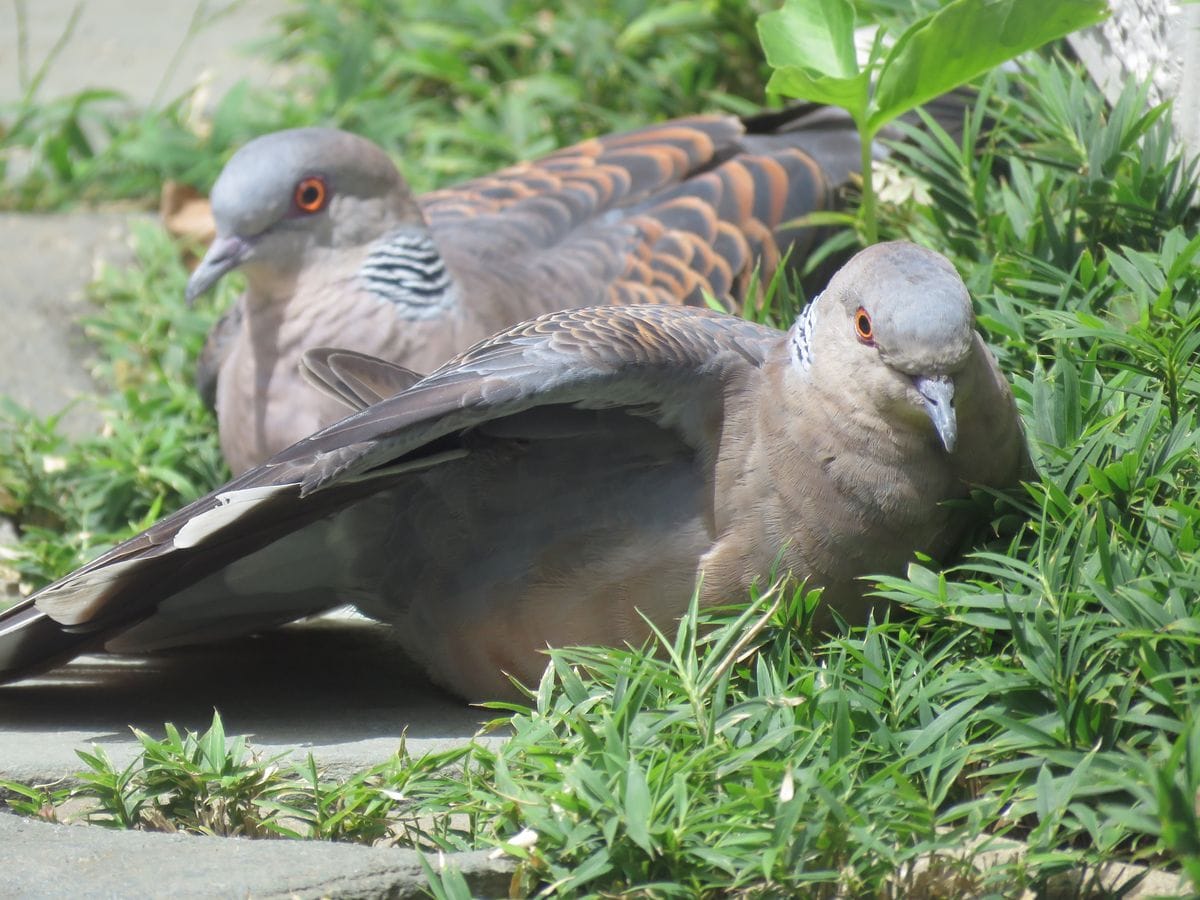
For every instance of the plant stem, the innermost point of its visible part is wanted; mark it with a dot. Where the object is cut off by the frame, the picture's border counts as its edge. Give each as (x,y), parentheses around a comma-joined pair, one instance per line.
(866,210)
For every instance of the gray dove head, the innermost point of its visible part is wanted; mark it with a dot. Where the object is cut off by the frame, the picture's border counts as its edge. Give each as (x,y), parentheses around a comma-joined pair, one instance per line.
(289,191)
(895,326)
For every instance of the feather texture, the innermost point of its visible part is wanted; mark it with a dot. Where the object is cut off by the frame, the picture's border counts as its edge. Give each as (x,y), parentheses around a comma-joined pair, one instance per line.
(667,214)
(556,482)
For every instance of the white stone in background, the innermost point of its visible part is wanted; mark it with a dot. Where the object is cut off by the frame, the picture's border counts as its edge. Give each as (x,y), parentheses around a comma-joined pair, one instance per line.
(1155,39)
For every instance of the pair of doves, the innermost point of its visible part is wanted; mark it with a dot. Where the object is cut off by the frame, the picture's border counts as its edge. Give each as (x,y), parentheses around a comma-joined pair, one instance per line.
(575,474)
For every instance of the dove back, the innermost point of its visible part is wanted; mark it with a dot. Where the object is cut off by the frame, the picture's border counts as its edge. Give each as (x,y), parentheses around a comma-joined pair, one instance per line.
(674,214)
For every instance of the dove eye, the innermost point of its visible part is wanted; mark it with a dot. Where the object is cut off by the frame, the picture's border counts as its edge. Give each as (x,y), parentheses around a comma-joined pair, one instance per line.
(862,326)
(311,194)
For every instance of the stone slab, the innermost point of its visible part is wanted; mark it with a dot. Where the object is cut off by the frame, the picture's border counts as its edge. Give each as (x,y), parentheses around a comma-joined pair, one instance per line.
(46,261)
(132,45)
(53,861)
(338,688)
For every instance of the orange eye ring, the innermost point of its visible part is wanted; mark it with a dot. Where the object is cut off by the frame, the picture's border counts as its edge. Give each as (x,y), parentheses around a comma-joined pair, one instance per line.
(311,194)
(863,327)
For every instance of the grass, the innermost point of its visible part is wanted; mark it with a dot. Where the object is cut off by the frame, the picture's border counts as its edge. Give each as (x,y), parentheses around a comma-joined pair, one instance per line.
(462,87)
(1043,687)
(156,448)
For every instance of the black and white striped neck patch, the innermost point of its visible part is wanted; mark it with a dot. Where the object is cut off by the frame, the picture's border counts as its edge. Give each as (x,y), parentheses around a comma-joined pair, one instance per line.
(406,269)
(802,337)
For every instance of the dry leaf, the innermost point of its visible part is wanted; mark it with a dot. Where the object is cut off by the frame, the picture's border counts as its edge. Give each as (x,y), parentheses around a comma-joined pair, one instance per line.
(186,212)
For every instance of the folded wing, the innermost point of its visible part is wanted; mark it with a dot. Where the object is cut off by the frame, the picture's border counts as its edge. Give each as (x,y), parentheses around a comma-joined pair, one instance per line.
(564,406)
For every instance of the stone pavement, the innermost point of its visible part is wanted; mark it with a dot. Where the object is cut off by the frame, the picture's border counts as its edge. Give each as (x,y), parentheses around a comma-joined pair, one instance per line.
(336,688)
(46,261)
(55,861)
(131,46)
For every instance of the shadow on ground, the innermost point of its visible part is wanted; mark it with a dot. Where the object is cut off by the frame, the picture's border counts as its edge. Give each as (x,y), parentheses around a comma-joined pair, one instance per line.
(340,688)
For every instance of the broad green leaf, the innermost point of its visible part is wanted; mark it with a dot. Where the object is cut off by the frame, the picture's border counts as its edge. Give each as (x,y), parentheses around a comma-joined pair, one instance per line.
(848,93)
(817,35)
(212,744)
(810,44)
(963,40)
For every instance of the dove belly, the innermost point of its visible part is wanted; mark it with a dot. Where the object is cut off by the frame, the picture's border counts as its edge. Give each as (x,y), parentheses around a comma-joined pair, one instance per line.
(523,545)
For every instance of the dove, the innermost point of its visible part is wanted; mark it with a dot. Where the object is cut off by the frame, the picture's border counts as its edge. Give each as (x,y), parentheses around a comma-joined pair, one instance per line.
(338,252)
(579,474)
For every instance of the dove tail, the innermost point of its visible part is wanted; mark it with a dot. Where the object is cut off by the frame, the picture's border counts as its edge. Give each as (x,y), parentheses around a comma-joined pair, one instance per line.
(246,557)
(81,611)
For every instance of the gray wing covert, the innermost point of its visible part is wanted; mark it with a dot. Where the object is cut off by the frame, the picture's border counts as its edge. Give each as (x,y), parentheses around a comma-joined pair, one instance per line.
(597,357)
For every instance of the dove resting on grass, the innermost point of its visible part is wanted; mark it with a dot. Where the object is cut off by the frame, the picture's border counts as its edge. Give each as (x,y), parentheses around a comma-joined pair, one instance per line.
(556,482)
(337,251)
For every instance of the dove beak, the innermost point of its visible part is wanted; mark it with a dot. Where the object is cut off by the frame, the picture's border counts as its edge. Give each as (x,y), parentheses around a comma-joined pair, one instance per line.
(224,254)
(937,391)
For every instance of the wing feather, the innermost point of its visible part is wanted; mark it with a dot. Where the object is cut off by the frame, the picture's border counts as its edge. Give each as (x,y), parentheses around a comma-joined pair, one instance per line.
(588,222)
(667,363)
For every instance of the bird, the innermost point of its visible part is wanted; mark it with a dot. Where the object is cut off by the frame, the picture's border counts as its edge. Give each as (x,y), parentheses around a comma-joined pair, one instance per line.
(577,475)
(338,252)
